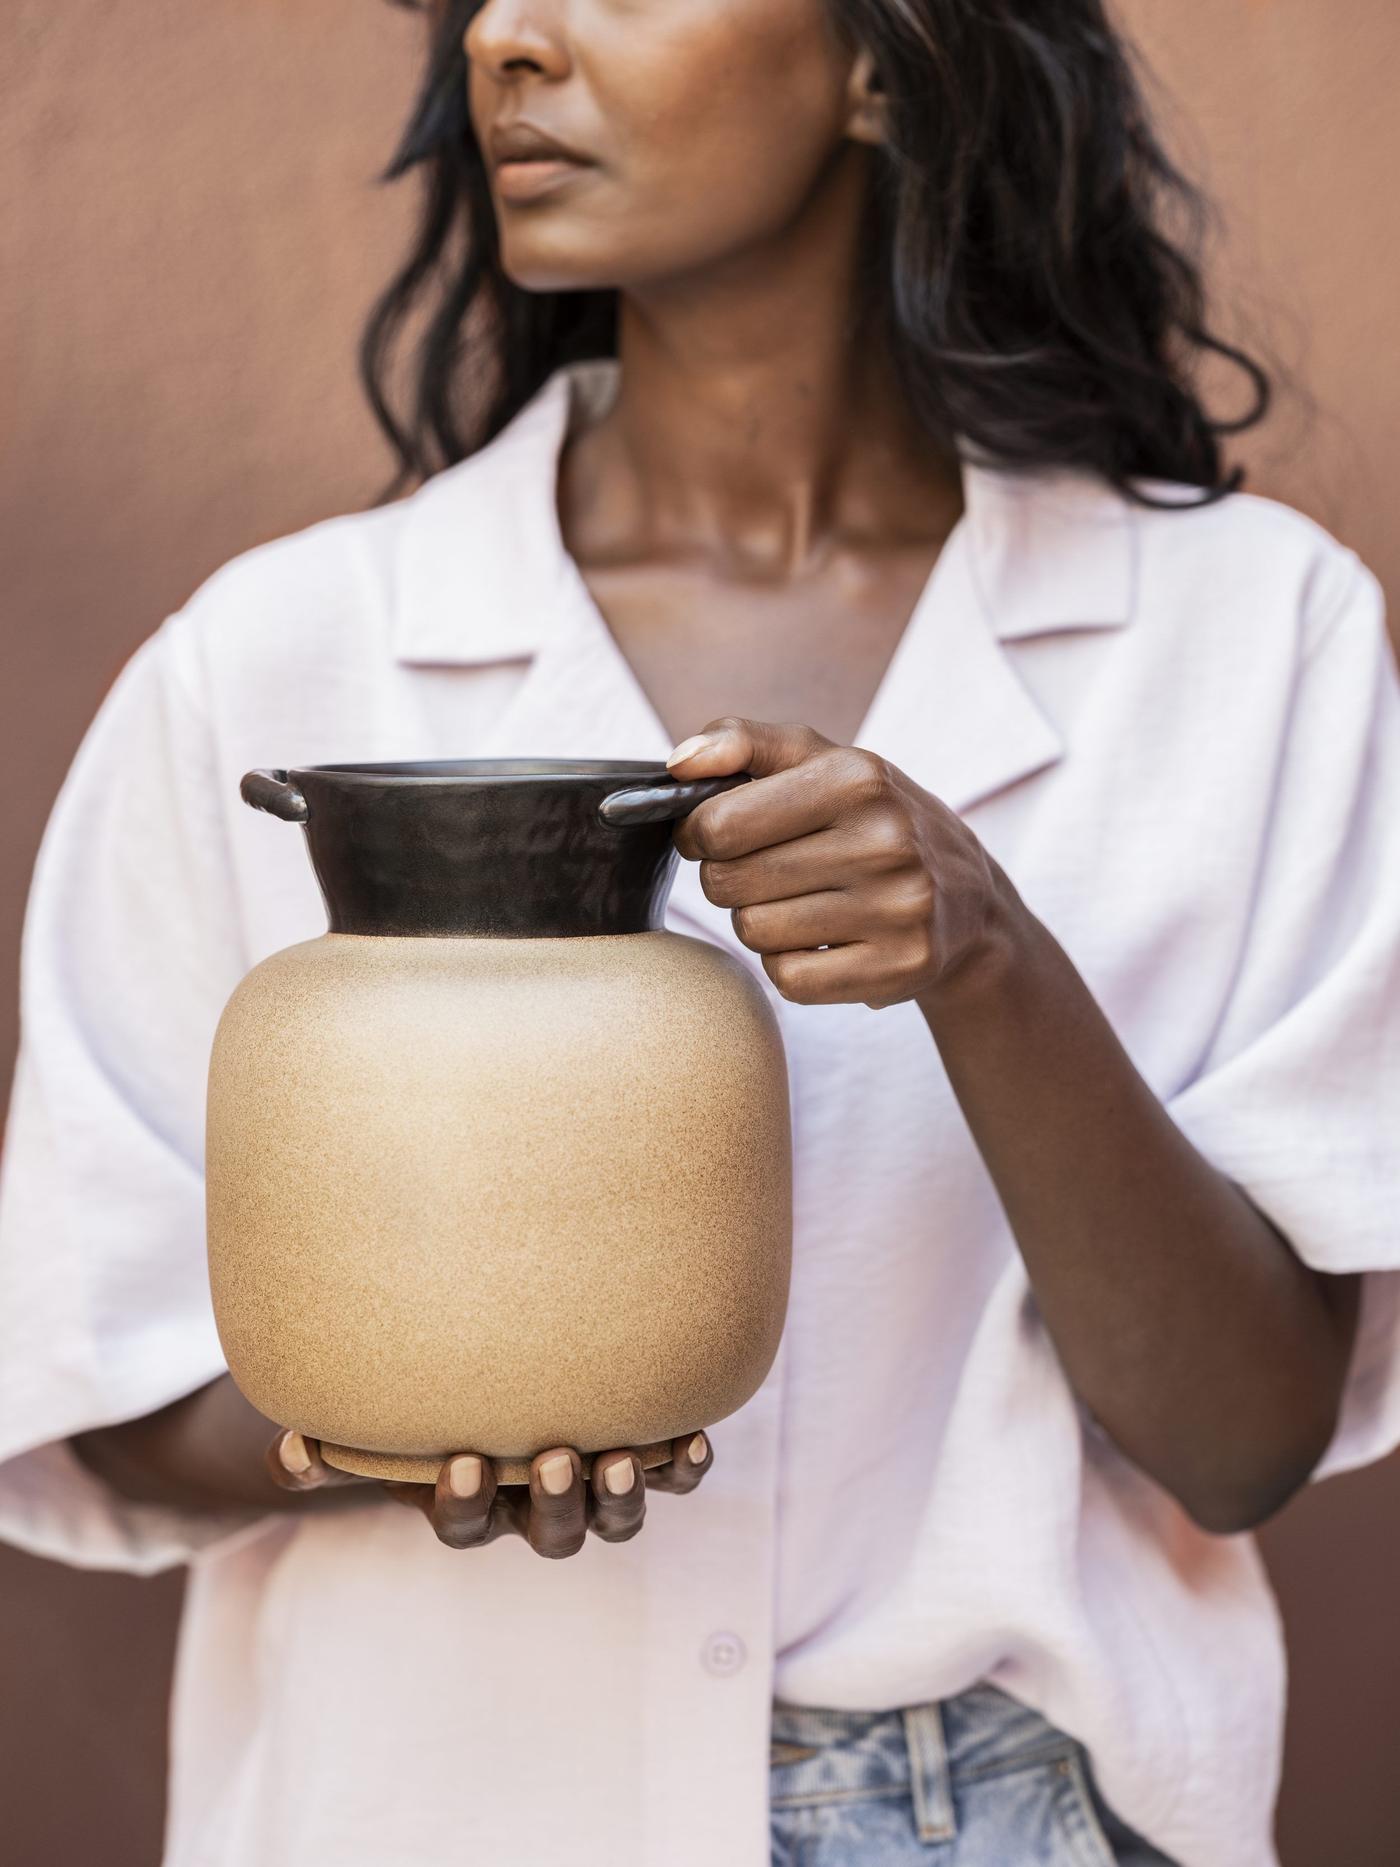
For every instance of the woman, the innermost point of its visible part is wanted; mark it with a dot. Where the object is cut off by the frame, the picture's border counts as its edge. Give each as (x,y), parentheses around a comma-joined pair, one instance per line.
(835,402)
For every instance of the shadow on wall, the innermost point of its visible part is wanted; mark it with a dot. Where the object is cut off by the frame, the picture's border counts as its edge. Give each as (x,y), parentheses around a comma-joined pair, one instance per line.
(195,238)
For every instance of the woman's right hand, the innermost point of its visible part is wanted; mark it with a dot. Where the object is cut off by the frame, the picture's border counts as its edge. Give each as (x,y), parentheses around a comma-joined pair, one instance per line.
(554,1512)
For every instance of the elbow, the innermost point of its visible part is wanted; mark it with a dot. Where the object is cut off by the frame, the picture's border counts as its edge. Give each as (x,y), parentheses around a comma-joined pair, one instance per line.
(1234,1510)
(1256,1489)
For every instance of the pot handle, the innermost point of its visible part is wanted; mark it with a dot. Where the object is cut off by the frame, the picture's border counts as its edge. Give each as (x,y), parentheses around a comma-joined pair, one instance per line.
(270,791)
(661,803)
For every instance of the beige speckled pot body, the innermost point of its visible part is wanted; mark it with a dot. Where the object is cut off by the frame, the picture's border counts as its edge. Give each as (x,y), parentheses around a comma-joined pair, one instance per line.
(498,1194)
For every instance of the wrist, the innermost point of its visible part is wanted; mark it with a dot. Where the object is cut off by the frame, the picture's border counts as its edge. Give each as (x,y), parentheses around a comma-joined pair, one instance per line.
(200,1452)
(992,961)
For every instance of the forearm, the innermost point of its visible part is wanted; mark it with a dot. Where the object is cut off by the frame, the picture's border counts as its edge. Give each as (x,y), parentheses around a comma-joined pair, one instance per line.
(1203,1345)
(1189,1327)
(204,1451)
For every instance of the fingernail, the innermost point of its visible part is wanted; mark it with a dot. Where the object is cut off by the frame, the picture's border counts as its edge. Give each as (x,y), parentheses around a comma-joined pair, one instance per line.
(620,1478)
(557,1474)
(294,1455)
(697,742)
(697,1449)
(464,1476)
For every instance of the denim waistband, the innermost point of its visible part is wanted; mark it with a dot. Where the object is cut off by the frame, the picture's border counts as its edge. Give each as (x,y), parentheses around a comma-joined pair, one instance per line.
(821,1755)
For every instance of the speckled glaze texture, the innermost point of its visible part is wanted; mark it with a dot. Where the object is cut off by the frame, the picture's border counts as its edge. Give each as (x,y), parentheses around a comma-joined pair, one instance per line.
(498,1195)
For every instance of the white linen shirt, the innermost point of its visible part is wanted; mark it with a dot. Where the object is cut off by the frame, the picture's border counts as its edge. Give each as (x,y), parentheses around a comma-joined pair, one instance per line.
(1179,733)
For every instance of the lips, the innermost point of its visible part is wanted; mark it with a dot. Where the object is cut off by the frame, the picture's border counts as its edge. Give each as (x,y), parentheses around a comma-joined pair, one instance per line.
(528,162)
(527,181)
(527,142)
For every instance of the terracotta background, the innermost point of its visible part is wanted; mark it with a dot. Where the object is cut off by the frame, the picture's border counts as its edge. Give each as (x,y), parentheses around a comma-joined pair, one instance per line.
(192,235)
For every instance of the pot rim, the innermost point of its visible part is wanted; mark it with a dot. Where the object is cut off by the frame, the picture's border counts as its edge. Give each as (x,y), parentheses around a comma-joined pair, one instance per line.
(496,771)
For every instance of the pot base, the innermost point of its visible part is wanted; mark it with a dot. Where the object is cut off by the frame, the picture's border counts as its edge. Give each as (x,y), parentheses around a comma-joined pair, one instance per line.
(414,1471)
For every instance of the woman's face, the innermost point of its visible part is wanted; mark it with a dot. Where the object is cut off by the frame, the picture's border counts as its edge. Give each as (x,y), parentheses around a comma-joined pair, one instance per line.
(709,125)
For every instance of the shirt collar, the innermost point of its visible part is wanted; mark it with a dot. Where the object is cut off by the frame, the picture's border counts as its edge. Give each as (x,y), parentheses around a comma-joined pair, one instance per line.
(483,560)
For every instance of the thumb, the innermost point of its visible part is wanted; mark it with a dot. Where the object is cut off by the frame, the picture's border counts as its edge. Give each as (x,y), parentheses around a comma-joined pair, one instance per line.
(732,744)
(294,1462)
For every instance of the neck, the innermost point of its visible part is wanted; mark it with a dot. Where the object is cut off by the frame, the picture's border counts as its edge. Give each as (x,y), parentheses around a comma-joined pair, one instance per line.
(759,423)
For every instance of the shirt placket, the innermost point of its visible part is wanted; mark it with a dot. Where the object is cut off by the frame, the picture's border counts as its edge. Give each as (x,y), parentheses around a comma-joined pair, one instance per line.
(708,1574)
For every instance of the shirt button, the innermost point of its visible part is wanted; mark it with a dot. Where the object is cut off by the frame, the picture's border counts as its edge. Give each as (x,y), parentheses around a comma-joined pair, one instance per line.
(723,1654)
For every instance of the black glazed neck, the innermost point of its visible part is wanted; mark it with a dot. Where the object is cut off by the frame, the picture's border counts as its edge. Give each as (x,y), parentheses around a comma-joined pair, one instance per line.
(494,848)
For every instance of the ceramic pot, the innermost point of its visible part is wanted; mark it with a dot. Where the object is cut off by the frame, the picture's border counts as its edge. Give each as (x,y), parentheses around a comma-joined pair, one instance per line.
(496,1163)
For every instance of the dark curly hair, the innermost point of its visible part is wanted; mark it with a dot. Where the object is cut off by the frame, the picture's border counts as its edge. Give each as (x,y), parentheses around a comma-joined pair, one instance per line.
(1032,254)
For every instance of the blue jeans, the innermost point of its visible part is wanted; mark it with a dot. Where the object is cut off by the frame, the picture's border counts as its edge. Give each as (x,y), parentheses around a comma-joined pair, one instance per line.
(978,1780)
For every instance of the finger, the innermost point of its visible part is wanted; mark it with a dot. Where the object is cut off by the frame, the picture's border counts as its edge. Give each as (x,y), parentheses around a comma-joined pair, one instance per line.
(294,1462)
(831,784)
(691,1457)
(462,1501)
(827,919)
(834,858)
(894,909)
(558,1520)
(789,805)
(617,1498)
(858,973)
(733,744)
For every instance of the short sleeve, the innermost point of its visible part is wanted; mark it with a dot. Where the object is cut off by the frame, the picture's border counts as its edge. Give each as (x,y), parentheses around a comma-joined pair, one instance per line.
(129,950)
(1299,1102)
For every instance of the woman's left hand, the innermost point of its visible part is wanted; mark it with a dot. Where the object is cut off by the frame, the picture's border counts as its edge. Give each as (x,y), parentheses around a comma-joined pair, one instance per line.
(834,848)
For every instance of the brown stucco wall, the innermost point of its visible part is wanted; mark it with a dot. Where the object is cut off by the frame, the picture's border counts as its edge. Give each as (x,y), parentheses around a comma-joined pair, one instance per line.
(191,236)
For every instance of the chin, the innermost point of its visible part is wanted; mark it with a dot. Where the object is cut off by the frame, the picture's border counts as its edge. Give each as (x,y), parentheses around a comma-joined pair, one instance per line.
(542,272)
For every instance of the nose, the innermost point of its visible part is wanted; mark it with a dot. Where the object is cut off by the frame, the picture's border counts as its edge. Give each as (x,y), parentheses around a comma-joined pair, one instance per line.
(506,36)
